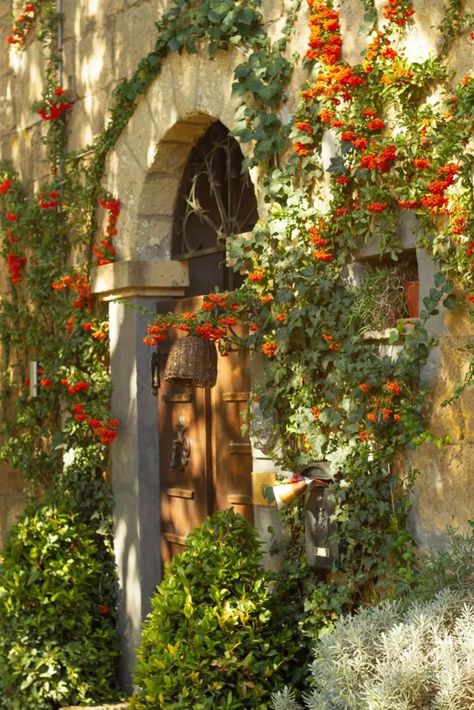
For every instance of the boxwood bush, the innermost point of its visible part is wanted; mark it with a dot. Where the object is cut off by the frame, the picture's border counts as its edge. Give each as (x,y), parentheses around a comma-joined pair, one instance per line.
(58,644)
(214,638)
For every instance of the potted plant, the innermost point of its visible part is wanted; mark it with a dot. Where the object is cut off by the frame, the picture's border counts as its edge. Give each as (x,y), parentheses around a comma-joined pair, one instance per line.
(411,288)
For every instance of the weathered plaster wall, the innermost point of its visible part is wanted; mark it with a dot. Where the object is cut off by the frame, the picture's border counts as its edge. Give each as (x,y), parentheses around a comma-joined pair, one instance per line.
(103,42)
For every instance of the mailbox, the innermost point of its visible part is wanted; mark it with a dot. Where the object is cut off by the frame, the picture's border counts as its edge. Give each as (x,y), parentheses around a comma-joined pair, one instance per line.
(321,550)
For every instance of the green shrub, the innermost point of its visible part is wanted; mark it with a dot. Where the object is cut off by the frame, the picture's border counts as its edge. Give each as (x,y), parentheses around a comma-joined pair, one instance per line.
(210,640)
(58,643)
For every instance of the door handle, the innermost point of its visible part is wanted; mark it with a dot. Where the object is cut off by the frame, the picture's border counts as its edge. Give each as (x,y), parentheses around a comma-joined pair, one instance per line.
(155,372)
(181,447)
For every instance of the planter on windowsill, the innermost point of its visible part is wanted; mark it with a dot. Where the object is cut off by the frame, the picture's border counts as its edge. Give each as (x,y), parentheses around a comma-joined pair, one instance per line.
(375,335)
(411,291)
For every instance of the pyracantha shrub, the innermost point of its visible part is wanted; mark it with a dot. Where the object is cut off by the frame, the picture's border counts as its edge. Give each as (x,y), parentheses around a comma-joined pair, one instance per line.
(58,644)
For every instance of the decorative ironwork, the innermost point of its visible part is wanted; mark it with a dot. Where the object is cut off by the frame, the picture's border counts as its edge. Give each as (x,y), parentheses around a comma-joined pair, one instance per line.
(216,199)
(181,446)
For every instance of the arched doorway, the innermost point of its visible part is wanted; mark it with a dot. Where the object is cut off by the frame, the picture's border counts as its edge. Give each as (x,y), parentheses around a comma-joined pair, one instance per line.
(205,458)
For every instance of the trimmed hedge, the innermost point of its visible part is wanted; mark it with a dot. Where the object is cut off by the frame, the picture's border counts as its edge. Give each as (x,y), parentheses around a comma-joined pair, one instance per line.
(211,640)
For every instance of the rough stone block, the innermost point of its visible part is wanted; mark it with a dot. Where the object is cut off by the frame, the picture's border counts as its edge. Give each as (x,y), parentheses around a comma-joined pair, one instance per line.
(159,195)
(171,158)
(135,36)
(445,486)
(123,277)
(93,62)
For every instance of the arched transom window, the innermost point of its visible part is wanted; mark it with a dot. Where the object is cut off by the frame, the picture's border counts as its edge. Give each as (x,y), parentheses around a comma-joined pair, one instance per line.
(215,201)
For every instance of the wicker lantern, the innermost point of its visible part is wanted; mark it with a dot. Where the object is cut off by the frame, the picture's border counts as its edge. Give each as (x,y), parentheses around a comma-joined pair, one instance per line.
(192,362)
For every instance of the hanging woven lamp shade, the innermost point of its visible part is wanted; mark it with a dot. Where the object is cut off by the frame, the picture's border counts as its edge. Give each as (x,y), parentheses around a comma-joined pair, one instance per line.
(192,362)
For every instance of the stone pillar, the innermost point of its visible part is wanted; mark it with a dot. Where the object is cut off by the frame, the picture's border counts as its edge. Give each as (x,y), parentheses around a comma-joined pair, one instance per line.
(132,289)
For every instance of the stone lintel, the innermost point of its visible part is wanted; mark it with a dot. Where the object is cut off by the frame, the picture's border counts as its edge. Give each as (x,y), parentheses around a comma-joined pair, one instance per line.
(125,279)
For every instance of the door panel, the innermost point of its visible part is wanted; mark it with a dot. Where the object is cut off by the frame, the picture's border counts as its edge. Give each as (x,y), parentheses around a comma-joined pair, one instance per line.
(183,482)
(232,456)
(214,472)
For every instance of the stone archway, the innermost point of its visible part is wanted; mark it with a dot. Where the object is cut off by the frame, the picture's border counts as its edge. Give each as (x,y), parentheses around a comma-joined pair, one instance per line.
(154,146)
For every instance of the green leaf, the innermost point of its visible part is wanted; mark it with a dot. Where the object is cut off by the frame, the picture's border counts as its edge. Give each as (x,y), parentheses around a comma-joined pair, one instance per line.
(451,302)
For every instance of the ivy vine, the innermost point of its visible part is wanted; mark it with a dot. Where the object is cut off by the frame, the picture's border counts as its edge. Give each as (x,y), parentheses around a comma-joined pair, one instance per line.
(328,393)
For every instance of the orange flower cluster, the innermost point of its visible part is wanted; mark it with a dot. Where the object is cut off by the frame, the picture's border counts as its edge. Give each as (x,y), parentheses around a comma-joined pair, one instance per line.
(78,285)
(23,23)
(379,161)
(54,108)
(376,207)
(316,238)
(458,223)
(375,125)
(218,300)
(393,387)
(382,409)
(269,348)
(379,47)
(5,186)
(325,115)
(210,332)
(328,338)
(228,320)
(397,12)
(81,386)
(335,84)
(322,255)
(15,265)
(421,163)
(304,126)
(302,149)
(437,188)
(325,40)
(156,333)
(105,252)
(408,204)
(256,276)
(357,141)
(49,200)
(106,431)
(98,332)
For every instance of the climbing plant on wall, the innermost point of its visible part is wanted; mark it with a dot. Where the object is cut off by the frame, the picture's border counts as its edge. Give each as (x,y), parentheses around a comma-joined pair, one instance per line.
(403,146)
(328,392)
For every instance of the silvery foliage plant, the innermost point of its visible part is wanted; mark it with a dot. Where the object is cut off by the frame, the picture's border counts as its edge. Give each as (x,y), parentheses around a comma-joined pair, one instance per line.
(394,658)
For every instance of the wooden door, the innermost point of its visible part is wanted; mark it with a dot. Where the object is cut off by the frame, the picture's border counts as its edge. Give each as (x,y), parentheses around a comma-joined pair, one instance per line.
(205,458)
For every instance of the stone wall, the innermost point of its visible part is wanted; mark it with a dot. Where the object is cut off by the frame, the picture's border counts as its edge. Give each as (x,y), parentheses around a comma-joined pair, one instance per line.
(103,42)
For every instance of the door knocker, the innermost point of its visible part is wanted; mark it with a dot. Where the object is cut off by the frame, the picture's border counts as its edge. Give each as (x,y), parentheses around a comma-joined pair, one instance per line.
(181,447)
